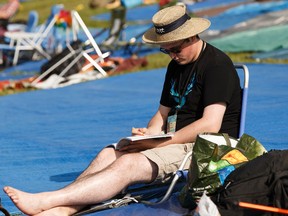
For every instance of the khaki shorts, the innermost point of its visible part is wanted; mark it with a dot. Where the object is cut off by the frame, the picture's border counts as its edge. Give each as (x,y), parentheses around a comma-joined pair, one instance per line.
(168,159)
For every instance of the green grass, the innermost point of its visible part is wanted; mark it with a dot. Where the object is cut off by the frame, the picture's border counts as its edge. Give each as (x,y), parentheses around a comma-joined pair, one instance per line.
(43,7)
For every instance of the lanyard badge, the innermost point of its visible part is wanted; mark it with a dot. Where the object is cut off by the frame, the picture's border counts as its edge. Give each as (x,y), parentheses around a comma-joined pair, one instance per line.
(171,123)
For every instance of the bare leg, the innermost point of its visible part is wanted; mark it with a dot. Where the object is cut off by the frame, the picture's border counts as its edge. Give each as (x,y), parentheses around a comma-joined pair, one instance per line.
(105,158)
(90,189)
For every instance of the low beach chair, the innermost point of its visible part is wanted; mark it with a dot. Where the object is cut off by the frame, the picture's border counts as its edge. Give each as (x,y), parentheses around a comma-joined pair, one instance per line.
(31,25)
(58,71)
(117,24)
(162,192)
(32,41)
(118,40)
(181,173)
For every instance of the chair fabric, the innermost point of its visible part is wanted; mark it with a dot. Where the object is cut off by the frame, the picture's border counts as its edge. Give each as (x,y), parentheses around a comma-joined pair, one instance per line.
(32,21)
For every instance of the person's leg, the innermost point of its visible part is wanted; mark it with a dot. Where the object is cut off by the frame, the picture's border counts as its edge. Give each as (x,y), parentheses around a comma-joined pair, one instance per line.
(105,158)
(89,189)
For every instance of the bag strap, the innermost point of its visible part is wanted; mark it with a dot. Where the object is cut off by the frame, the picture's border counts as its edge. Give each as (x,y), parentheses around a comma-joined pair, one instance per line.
(227,139)
(6,213)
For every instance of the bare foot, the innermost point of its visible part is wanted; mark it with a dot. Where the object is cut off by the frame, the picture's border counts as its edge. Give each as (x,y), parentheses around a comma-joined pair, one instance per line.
(26,202)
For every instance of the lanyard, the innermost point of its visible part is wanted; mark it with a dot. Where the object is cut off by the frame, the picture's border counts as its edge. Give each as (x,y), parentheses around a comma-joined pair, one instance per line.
(192,72)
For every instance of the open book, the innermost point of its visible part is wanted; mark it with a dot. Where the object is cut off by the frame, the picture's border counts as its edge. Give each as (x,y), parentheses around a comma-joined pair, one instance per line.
(126,140)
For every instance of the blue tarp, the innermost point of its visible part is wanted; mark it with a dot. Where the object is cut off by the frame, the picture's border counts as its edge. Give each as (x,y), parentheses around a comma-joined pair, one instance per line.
(209,4)
(48,136)
(146,12)
(243,13)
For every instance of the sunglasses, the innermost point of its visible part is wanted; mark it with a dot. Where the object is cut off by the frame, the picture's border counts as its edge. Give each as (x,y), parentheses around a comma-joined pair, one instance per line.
(175,50)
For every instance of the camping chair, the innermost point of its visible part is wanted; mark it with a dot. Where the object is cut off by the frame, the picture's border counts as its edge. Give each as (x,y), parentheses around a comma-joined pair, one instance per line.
(144,194)
(33,41)
(74,55)
(118,17)
(181,173)
(30,27)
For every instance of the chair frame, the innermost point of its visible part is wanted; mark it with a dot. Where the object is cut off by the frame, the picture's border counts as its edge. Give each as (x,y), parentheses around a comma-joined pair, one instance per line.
(25,41)
(244,97)
(77,54)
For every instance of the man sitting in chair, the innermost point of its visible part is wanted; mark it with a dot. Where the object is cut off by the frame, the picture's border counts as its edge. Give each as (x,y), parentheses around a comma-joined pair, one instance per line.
(201,93)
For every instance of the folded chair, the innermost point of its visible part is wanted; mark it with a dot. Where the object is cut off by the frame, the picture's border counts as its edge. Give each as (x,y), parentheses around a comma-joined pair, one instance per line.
(32,41)
(72,58)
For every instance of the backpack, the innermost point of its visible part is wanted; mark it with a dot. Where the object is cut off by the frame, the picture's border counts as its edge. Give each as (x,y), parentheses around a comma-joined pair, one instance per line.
(262,181)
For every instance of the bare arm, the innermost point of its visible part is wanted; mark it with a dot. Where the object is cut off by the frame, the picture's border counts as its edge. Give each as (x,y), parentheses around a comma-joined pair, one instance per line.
(157,123)
(210,122)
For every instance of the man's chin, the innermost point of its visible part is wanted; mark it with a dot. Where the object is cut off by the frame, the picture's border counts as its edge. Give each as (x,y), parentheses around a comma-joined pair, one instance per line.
(180,62)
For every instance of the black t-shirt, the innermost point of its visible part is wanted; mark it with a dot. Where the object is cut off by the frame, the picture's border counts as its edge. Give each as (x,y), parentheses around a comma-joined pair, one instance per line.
(213,80)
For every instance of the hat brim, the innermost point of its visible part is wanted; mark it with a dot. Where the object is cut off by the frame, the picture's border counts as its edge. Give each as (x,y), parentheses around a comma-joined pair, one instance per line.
(190,28)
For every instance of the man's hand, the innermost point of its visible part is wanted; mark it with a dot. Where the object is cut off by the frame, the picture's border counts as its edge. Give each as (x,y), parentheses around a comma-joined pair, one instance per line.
(138,131)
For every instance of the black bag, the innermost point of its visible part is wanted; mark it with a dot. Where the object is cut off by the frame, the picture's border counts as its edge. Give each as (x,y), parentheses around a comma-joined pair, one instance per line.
(76,49)
(262,181)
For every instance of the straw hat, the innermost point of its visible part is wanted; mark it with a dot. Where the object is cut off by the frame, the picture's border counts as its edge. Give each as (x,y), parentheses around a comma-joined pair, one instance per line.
(173,24)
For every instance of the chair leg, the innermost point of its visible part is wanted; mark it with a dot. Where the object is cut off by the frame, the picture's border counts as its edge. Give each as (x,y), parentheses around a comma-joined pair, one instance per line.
(16,56)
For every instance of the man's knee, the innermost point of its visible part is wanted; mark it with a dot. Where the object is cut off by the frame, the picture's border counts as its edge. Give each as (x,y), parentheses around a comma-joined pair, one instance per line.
(139,166)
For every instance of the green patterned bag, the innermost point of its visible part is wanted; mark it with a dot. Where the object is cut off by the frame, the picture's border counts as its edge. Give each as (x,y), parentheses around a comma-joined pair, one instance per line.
(214,157)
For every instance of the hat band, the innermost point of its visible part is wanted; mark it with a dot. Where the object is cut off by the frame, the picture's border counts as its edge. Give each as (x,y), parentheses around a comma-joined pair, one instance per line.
(172,26)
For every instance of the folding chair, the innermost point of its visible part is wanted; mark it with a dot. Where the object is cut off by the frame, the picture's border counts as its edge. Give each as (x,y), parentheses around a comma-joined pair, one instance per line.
(30,27)
(24,41)
(118,17)
(75,55)
(143,194)
(181,173)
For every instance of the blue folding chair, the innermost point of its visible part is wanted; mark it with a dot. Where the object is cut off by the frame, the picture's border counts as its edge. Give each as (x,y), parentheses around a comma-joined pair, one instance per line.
(181,173)
(131,195)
